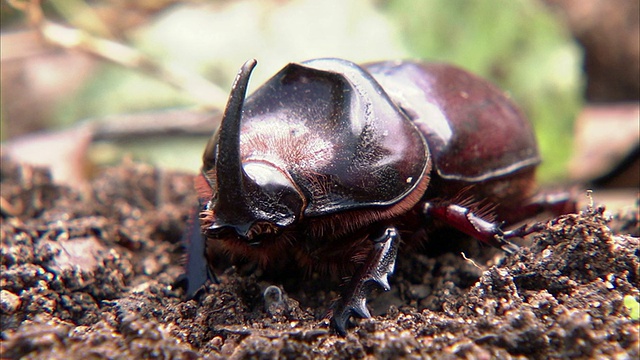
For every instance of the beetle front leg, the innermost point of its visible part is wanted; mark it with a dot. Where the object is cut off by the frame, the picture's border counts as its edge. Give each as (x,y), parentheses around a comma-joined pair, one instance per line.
(466,221)
(379,264)
(197,270)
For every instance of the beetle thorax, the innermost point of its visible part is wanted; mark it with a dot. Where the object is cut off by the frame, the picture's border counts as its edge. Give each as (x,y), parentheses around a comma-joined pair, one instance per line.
(286,145)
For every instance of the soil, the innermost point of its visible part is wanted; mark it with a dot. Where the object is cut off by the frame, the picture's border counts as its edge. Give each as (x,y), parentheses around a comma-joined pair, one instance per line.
(91,274)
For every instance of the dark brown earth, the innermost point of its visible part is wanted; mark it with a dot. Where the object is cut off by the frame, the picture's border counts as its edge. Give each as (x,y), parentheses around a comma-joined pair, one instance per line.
(90,275)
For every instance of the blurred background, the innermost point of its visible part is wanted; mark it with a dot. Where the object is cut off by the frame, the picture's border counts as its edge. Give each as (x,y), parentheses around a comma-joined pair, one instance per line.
(88,83)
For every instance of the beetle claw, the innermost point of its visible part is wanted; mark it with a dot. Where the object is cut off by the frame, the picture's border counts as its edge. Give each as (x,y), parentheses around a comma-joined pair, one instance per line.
(378,266)
(523,230)
(339,323)
(383,281)
(508,247)
(342,313)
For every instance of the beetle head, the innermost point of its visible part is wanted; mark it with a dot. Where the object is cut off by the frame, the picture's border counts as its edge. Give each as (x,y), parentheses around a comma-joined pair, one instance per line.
(250,198)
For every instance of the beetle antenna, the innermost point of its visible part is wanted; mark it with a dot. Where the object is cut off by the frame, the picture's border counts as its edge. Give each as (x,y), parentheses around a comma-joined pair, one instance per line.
(229,171)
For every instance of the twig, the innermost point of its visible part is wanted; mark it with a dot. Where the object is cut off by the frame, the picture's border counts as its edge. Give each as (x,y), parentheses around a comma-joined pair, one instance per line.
(471,261)
(199,89)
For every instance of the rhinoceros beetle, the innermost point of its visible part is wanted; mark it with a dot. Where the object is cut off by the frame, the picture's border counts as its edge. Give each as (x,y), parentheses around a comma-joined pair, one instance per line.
(329,163)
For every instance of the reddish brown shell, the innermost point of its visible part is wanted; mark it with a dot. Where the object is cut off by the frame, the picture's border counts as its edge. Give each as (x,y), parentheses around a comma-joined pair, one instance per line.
(474,131)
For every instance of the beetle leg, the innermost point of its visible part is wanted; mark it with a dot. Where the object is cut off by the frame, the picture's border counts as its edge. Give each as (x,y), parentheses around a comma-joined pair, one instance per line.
(197,270)
(466,221)
(378,265)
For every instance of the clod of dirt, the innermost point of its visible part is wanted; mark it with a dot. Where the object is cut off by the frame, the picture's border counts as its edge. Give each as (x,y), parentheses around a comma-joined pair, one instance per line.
(91,275)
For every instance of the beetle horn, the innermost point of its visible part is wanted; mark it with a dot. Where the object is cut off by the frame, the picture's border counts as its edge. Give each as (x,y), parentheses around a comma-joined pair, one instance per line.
(229,171)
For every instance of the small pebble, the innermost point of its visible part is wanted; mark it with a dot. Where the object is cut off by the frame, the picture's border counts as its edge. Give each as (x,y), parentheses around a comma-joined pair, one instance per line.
(9,302)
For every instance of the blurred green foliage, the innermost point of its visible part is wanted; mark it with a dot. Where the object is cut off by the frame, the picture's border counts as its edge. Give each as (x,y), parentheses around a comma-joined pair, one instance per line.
(634,307)
(117,90)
